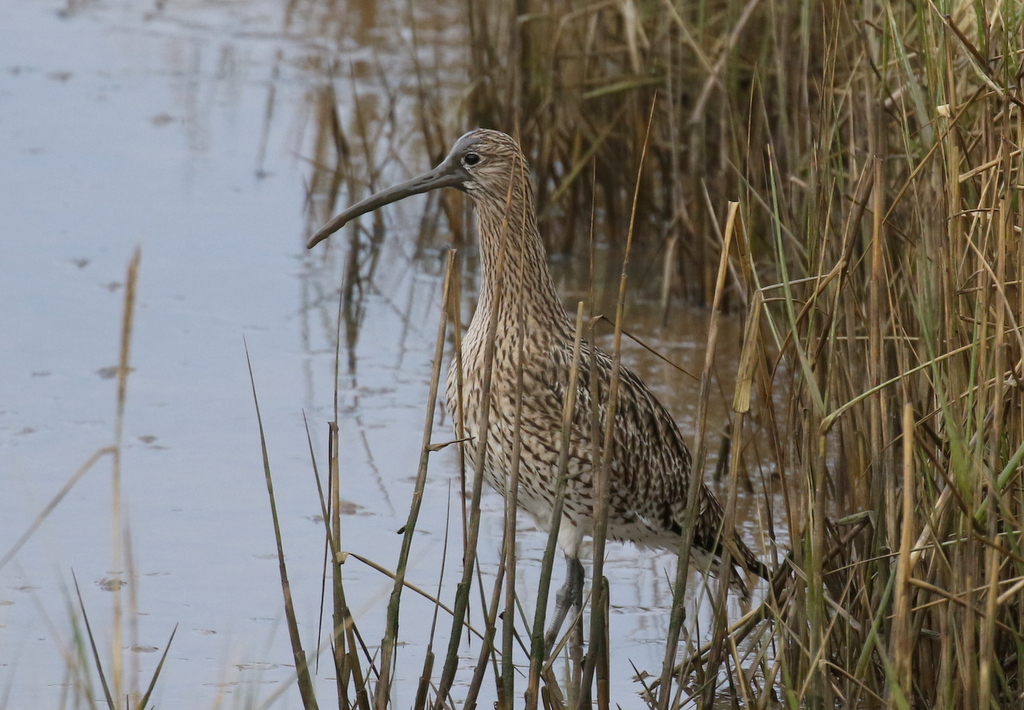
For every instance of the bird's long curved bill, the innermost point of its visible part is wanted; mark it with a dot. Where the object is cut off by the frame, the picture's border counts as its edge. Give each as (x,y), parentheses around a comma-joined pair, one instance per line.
(441,176)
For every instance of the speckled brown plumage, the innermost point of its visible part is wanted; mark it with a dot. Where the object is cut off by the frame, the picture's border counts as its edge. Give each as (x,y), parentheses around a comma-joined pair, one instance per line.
(650,464)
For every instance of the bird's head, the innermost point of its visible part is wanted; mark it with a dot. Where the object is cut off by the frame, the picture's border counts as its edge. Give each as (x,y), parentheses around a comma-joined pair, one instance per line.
(481,164)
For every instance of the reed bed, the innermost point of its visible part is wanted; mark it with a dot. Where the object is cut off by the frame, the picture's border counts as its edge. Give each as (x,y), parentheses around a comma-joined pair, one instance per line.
(848,178)
(868,158)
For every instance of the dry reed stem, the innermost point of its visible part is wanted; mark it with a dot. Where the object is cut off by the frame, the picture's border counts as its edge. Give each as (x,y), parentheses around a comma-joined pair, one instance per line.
(116,515)
(383,693)
(720,622)
(696,480)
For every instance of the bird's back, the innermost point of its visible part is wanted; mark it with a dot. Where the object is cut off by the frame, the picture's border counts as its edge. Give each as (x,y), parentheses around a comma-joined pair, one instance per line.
(650,464)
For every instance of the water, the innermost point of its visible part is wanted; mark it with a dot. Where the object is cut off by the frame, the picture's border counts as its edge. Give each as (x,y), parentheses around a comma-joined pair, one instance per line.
(188,130)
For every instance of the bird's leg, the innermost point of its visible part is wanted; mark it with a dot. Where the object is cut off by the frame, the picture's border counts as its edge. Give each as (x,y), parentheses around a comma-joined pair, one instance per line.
(570,595)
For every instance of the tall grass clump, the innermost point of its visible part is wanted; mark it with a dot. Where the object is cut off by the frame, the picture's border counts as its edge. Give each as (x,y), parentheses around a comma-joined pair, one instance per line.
(874,151)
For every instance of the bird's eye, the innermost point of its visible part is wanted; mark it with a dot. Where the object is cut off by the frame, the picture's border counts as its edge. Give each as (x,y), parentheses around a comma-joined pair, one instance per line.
(471,159)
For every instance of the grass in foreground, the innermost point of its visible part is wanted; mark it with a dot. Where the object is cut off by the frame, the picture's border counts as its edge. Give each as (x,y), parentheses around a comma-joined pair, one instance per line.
(848,178)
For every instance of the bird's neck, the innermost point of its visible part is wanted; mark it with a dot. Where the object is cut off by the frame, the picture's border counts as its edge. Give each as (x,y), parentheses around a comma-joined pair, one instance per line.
(513,267)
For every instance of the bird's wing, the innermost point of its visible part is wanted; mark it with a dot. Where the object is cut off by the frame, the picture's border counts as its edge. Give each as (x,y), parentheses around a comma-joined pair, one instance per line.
(651,465)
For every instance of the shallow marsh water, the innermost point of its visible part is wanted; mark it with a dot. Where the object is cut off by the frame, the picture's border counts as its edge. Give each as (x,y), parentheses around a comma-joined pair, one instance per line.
(186,129)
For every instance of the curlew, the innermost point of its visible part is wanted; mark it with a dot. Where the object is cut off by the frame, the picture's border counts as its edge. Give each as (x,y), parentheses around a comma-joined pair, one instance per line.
(650,464)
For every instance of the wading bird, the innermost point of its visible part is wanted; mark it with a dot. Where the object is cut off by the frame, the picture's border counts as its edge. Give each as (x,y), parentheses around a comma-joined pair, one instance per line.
(650,464)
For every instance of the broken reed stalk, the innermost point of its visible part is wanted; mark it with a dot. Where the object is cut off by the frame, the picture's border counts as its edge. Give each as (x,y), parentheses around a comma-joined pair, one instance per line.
(347,666)
(330,553)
